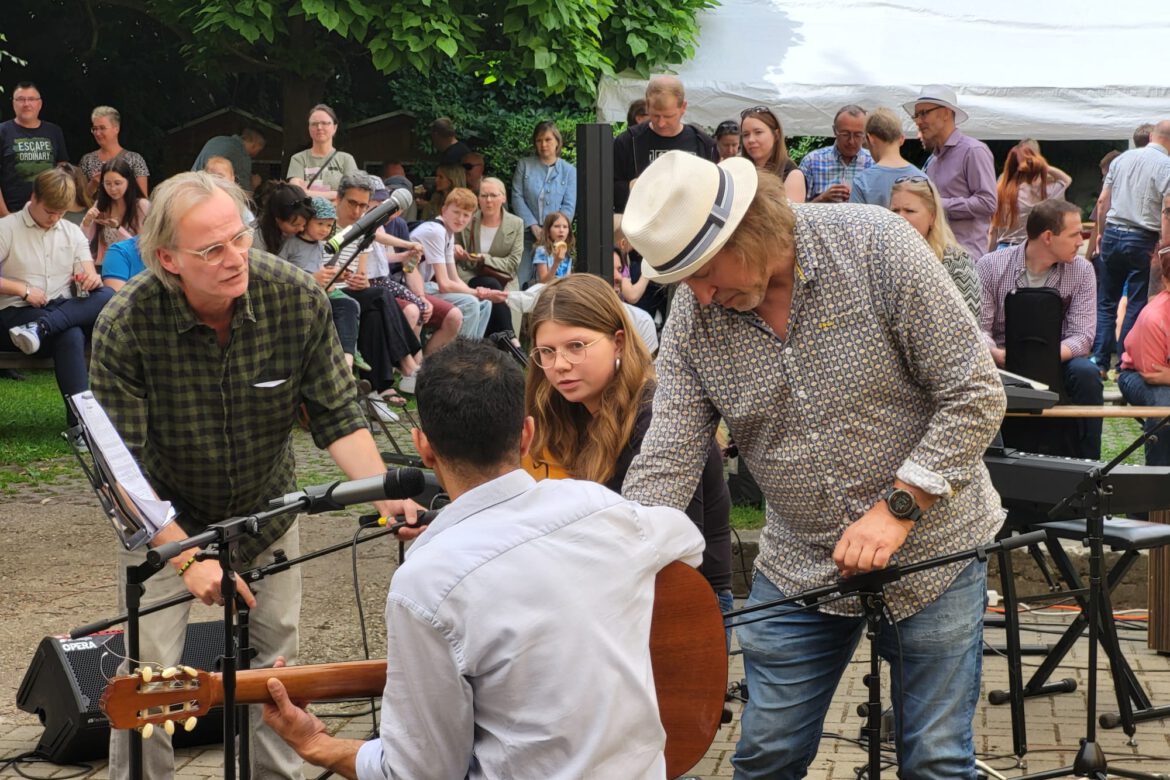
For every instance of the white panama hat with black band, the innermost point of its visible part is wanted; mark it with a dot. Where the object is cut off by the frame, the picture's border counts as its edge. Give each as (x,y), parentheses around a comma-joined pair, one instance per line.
(683,209)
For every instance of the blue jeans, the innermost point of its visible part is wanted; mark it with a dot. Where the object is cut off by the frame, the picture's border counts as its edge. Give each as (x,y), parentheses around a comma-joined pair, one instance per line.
(1135,391)
(69,323)
(347,314)
(1083,386)
(476,313)
(1125,256)
(795,660)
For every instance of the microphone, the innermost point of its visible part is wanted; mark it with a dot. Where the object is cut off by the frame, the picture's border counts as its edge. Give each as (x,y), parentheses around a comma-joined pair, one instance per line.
(400,200)
(392,485)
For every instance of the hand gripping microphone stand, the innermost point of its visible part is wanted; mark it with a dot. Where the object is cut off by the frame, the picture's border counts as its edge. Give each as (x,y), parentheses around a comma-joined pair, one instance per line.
(221,540)
(869,588)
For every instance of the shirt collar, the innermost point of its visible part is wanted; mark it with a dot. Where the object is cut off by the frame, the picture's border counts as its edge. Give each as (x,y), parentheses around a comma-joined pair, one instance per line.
(31,223)
(186,319)
(489,494)
(953,138)
(1157,146)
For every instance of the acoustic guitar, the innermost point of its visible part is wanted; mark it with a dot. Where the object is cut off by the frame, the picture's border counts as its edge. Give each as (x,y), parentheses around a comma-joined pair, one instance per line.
(686,647)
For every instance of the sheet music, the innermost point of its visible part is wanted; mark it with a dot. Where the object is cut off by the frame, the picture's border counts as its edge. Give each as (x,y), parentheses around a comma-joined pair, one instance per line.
(119,467)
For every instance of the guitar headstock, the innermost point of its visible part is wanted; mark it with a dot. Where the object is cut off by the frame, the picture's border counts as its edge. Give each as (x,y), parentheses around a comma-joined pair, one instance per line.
(139,701)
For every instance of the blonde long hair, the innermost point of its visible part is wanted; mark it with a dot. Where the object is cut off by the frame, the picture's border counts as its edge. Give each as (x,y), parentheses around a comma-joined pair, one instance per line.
(586,445)
(940,236)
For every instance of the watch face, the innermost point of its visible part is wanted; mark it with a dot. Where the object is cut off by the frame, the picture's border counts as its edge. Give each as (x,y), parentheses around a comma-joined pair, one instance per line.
(901,503)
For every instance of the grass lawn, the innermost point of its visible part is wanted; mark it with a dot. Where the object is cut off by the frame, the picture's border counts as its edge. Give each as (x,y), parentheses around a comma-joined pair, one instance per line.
(32,416)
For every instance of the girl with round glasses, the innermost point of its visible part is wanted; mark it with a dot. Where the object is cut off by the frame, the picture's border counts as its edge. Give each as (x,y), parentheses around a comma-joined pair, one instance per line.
(590,390)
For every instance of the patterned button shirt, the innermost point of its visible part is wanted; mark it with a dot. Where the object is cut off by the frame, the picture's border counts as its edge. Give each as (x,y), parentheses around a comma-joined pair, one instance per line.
(211,426)
(882,375)
(1003,271)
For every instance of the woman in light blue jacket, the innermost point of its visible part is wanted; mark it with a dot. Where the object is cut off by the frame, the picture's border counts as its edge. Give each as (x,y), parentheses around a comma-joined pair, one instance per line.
(543,183)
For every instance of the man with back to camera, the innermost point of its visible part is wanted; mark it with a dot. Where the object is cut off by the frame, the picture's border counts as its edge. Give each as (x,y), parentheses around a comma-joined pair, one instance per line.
(238,149)
(641,144)
(830,170)
(854,382)
(484,679)
(961,167)
(1135,199)
(202,364)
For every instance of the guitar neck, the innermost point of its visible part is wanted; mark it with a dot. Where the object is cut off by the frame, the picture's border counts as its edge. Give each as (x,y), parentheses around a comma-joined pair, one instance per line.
(318,682)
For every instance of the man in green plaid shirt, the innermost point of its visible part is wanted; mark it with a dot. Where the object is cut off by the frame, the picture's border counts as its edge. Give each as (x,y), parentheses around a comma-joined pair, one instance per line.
(201,364)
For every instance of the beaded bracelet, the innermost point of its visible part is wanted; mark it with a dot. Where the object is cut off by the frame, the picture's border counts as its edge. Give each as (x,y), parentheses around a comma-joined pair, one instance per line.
(187,565)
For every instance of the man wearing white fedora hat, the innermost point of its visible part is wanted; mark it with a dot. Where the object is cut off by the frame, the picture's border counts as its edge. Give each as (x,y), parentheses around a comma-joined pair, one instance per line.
(961,167)
(853,379)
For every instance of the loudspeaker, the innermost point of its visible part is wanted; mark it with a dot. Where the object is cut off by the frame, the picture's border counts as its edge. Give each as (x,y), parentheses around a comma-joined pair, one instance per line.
(67,677)
(595,199)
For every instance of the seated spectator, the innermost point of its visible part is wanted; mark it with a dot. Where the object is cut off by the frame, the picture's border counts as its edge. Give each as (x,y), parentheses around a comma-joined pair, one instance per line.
(883,131)
(1145,364)
(830,170)
(1027,179)
(1049,259)
(447,178)
(82,202)
(221,167)
(916,200)
(630,291)
(107,124)
(385,338)
(285,211)
(240,149)
(449,148)
(400,182)
(553,258)
(473,166)
(762,141)
(50,292)
(727,139)
(119,210)
(488,252)
(319,169)
(637,113)
(123,262)
(439,272)
(590,389)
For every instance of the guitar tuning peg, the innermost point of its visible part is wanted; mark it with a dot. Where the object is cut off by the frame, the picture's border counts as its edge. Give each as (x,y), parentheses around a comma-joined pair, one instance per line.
(169,727)
(190,671)
(169,672)
(147,673)
(148,731)
(189,724)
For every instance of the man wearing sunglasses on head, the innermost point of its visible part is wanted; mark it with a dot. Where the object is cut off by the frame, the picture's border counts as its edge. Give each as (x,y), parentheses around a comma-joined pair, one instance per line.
(202,365)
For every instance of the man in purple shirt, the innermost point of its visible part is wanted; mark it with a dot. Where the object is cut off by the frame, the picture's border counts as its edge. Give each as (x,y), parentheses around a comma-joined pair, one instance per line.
(961,167)
(1049,259)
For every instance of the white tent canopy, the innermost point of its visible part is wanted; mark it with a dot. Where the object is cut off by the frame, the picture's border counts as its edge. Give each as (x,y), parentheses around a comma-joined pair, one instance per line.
(1045,69)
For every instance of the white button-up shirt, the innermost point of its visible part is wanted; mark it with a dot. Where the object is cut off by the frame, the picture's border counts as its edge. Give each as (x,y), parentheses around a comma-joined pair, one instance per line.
(518,634)
(38,257)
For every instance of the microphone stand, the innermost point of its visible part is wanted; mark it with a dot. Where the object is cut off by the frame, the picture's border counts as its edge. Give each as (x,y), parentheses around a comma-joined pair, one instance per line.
(869,588)
(1091,496)
(366,237)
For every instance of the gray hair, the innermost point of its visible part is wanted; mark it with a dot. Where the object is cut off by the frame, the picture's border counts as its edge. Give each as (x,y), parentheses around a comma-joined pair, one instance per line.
(851,110)
(169,202)
(109,113)
(495,181)
(359,180)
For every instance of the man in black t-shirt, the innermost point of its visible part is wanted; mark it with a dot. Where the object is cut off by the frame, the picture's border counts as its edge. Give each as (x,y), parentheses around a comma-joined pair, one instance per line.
(27,147)
(451,150)
(641,144)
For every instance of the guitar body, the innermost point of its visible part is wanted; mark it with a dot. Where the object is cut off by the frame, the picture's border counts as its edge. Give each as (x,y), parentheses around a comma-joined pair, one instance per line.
(687,648)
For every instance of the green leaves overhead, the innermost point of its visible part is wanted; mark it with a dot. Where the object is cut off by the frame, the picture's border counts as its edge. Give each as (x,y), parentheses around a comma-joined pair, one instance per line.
(560,46)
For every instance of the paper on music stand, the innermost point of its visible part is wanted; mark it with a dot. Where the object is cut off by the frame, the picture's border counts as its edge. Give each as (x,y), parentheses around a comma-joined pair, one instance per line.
(140,507)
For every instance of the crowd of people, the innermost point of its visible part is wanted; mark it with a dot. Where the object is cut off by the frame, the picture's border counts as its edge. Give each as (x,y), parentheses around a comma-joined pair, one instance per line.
(843,317)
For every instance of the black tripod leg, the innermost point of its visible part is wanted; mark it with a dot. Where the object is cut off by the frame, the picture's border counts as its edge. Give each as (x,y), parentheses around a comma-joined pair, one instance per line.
(1011,619)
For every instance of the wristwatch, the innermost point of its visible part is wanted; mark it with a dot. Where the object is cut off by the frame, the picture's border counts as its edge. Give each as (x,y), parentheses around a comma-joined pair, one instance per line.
(902,504)
(27,290)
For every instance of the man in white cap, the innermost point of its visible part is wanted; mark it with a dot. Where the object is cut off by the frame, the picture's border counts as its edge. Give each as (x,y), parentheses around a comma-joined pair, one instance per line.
(961,167)
(854,382)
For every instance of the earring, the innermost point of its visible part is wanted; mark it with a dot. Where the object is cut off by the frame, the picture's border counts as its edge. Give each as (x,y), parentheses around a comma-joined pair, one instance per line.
(617,364)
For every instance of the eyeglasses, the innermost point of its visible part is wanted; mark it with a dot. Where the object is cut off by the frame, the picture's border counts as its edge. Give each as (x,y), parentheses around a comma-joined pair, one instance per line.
(573,352)
(320,124)
(911,179)
(755,110)
(847,136)
(26,100)
(471,166)
(919,114)
(217,253)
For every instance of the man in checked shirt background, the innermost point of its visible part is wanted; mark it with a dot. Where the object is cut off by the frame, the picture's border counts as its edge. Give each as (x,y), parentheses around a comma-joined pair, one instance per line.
(856,385)
(201,365)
